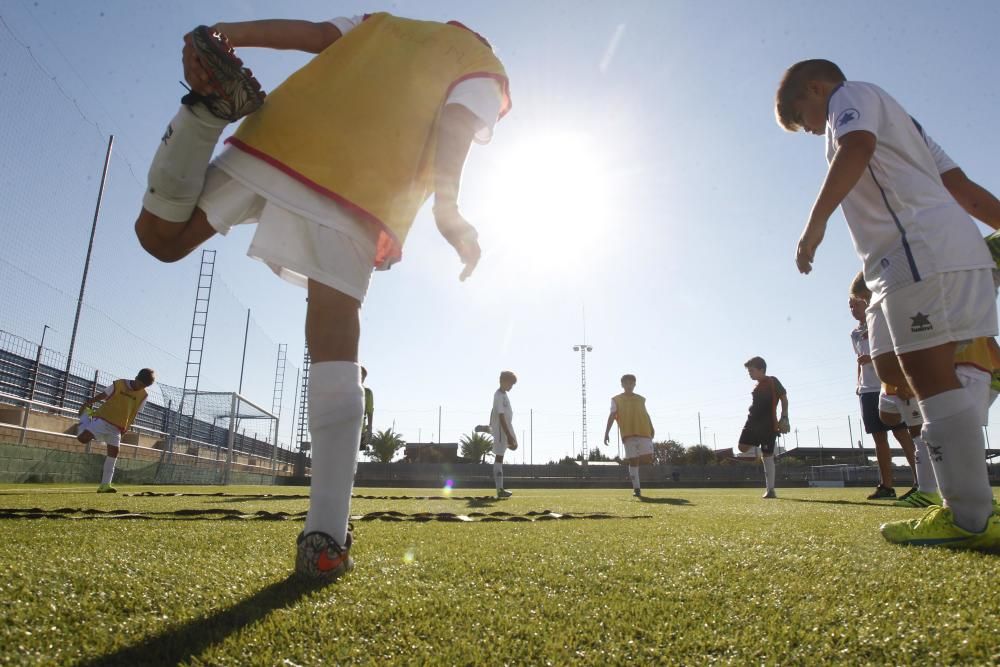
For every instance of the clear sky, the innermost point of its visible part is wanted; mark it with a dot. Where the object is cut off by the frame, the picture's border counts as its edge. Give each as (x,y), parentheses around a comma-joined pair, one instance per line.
(640,195)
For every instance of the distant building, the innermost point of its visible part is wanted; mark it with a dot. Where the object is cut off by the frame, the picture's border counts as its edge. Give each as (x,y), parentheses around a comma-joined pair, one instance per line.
(430,452)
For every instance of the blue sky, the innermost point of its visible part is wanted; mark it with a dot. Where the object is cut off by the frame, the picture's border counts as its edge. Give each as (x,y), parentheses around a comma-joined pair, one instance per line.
(676,241)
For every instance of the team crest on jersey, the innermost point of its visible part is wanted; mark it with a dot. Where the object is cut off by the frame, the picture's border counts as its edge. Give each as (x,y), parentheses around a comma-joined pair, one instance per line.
(847,115)
(920,322)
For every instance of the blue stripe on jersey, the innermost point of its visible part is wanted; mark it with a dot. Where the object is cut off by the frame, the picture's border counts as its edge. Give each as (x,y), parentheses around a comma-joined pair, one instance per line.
(902,232)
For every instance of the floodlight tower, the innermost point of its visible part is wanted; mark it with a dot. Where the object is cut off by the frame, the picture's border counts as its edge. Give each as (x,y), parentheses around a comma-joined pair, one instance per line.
(583,350)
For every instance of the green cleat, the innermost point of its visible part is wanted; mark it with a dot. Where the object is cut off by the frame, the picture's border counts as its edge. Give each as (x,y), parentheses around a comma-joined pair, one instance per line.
(937,528)
(106,488)
(915,498)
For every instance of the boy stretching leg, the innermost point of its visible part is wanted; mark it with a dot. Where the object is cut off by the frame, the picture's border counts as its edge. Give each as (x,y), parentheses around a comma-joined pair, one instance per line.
(333,168)
(629,410)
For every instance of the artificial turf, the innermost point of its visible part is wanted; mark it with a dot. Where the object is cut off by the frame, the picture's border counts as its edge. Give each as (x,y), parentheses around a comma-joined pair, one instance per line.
(686,576)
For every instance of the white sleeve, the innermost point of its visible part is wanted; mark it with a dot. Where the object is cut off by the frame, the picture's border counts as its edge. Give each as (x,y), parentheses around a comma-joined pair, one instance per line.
(498,404)
(853,108)
(941,159)
(481,96)
(614,407)
(345,25)
(110,389)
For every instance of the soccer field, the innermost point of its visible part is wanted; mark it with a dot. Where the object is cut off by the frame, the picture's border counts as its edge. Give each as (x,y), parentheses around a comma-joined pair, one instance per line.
(200,575)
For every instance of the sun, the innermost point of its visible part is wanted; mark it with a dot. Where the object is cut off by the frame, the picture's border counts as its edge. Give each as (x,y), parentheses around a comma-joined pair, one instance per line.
(548,199)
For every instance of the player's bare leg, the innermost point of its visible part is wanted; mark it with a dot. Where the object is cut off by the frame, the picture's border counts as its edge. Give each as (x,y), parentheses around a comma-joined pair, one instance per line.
(170,241)
(336,412)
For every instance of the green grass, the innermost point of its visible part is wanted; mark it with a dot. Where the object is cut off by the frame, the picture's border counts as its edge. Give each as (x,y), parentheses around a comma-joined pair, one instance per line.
(710,576)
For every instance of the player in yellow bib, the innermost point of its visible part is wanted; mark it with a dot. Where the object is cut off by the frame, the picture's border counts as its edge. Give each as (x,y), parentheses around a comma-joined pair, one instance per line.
(333,167)
(629,410)
(122,400)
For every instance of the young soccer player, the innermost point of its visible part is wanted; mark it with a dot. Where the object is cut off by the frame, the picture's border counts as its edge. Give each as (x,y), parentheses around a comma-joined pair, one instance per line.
(366,423)
(122,401)
(333,168)
(763,423)
(927,267)
(629,410)
(869,388)
(501,418)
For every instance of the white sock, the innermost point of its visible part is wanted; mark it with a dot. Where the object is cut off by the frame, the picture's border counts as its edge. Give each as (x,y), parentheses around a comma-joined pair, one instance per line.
(498,475)
(926,481)
(954,437)
(336,409)
(633,473)
(177,173)
(109,469)
(769,472)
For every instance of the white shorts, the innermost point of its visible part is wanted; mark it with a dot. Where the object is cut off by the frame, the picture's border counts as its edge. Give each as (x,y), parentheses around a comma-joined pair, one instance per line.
(636,446)
(102,430)
(909,410)
(977,383)
(943,308)
(295,247)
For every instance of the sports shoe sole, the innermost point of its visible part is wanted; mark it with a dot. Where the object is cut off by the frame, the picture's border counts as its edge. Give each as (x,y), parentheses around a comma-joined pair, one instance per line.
(239,92)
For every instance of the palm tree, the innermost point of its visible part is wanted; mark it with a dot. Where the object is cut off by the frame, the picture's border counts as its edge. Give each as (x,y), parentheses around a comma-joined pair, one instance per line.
(385,444)
(475,446)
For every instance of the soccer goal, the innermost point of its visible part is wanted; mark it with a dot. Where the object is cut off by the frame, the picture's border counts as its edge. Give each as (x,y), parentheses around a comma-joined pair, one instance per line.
(840,474)
(224,426)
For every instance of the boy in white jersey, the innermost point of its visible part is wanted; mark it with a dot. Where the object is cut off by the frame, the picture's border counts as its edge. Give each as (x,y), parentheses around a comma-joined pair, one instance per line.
(501,420)
(629,410)
(333,168)
(869,388)
(927,267)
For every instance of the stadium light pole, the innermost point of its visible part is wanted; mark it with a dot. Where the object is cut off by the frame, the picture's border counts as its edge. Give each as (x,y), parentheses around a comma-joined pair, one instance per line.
(583,349)
(86,268)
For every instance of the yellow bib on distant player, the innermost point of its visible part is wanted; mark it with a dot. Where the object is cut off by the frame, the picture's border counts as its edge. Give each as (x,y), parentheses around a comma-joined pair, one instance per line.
(633,420)
(359,122)
(123,405)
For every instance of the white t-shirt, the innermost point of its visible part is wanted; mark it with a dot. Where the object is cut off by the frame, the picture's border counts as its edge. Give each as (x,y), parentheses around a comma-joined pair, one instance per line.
(905,224)
(481,96)
(868,381)
(501,406)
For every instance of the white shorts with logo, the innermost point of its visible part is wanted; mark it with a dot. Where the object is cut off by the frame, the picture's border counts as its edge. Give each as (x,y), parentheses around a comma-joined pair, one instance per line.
(909,410)
(102,430)
(294,246)
(636,446)
(944,308)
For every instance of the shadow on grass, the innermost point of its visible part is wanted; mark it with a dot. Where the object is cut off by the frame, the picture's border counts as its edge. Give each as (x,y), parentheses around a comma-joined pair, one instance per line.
(862,503)
(482,501)
(244,499)
(664,501)
(180,644)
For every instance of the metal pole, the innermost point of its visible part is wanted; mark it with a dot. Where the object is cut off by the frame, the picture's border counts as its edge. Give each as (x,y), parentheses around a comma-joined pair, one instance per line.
(86,268)
(439,424)
(699,428)
(230,440)
(243,361)
(531,448)
(850,431)
(274,452)
(31,390)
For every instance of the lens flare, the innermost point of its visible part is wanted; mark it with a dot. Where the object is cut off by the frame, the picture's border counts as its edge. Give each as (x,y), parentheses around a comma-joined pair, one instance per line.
(409,556)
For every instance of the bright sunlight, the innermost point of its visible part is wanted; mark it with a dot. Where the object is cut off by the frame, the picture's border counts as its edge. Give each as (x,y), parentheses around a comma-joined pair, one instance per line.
(550,198)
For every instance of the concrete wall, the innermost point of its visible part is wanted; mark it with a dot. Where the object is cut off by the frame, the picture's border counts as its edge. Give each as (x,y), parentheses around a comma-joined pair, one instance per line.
(50,452)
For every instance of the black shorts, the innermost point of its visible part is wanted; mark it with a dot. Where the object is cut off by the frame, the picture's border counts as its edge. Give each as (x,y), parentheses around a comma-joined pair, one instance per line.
(869,413)
(759,435)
